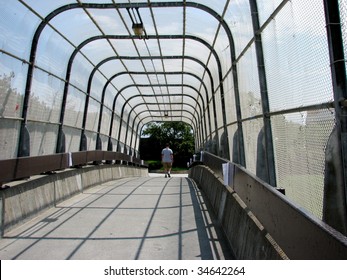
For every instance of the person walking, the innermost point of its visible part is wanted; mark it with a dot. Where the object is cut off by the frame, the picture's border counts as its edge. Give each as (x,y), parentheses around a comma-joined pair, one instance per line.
(167,159)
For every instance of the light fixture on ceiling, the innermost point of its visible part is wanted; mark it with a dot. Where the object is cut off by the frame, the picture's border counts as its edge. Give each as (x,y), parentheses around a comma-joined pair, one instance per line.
(137,24)
(138,29)
(166,114)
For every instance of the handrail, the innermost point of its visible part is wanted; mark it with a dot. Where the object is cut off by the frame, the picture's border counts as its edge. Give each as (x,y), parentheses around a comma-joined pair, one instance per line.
(24,167)
(214,162)
(299,233)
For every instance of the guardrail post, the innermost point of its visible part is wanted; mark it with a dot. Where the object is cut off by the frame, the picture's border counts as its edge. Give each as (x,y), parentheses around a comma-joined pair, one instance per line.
(335,191)
(268,156)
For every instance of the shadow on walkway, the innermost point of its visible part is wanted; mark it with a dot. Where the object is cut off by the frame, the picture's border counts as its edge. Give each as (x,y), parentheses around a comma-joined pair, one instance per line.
(129,219)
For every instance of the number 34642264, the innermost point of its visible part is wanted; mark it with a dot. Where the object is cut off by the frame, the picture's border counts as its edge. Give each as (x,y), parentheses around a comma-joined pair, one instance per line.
(221,271)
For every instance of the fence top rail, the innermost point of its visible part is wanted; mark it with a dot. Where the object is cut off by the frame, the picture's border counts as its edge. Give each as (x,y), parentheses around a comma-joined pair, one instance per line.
(298,232)
(24,167)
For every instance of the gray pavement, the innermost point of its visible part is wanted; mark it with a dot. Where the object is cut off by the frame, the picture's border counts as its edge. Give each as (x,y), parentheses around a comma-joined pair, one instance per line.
(152,218)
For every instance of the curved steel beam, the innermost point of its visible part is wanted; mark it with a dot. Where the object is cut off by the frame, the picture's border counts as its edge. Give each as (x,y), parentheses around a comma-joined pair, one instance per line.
(123,108)
(167,57)
(145,85)
(124,58)
(149,73)
(122,37)
(82,144)
(154,120)
(23,140)
(128,121)
(96,68)
(194,126)
(173,110)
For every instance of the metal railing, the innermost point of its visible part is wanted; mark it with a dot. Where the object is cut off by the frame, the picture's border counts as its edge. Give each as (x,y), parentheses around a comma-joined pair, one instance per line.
(24,167)
(299,233)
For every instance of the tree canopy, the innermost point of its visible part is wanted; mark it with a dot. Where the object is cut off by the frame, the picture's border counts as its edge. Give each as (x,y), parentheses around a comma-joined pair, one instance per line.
(178,134)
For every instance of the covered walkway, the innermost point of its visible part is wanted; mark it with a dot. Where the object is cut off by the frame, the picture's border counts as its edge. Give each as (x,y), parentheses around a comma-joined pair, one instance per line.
(261,84)
(127,219)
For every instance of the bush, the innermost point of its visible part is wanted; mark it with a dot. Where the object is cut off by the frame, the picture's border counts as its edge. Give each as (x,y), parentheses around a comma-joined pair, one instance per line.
(154,164)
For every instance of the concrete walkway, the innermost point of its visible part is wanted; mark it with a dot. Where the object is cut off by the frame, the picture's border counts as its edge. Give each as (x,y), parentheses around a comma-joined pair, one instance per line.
(130,218)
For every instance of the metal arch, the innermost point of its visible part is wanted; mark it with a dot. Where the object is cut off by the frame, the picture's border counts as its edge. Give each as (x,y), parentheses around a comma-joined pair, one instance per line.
(136,132)
(143,73)
(172,110)
(161,57)
(23,131)
(144,85)
(68,72)
(153,58)
(153,119)
(96,68)
(170,57)
(195,127)
(159,85)
(161,73)
(197,132)
(109,81)
(165,73)
(138,125)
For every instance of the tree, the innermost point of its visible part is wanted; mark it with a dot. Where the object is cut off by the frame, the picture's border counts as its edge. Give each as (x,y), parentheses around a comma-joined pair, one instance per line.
(178,134)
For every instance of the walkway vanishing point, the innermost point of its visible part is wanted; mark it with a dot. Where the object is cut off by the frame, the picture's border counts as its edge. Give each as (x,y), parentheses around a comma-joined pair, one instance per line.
(129,218)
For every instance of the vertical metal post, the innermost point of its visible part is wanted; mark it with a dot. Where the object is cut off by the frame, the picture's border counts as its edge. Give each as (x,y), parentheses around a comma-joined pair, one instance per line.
(269,148)
(225,145)
(338,73)
(238,136)
(61,136)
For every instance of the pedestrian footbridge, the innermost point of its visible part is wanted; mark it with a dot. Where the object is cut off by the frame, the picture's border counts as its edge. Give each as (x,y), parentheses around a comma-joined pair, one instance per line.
(130,218)
(120,211)
(261,84)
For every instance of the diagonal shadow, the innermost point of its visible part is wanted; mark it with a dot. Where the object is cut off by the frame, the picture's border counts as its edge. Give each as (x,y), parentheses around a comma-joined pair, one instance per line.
(65,210)
(204,230)
(206,251)
(200,225)
(149,223)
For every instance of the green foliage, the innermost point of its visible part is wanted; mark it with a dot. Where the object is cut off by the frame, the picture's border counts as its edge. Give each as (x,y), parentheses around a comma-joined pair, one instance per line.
(178,134)
(154,164)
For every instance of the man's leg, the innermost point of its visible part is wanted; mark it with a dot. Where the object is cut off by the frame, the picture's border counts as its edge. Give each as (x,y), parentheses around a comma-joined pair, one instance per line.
(165,168)
(169,165)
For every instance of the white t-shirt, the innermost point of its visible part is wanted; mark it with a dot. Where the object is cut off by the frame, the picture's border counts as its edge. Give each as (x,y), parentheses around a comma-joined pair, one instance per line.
(167,152)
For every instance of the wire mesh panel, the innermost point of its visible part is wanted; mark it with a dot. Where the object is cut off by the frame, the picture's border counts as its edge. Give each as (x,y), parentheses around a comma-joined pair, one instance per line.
(9,137)
(91,140)
(12,83)
(43,138)
(251,130)
(300,140)
(297,57)
(298,75)
(72,138)
(74,108)
(250,100)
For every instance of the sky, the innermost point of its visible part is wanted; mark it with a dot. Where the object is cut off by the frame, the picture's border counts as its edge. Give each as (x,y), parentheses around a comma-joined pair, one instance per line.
(294,43)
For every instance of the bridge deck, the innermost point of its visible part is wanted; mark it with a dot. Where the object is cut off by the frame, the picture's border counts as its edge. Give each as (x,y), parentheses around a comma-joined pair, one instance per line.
(130,218)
